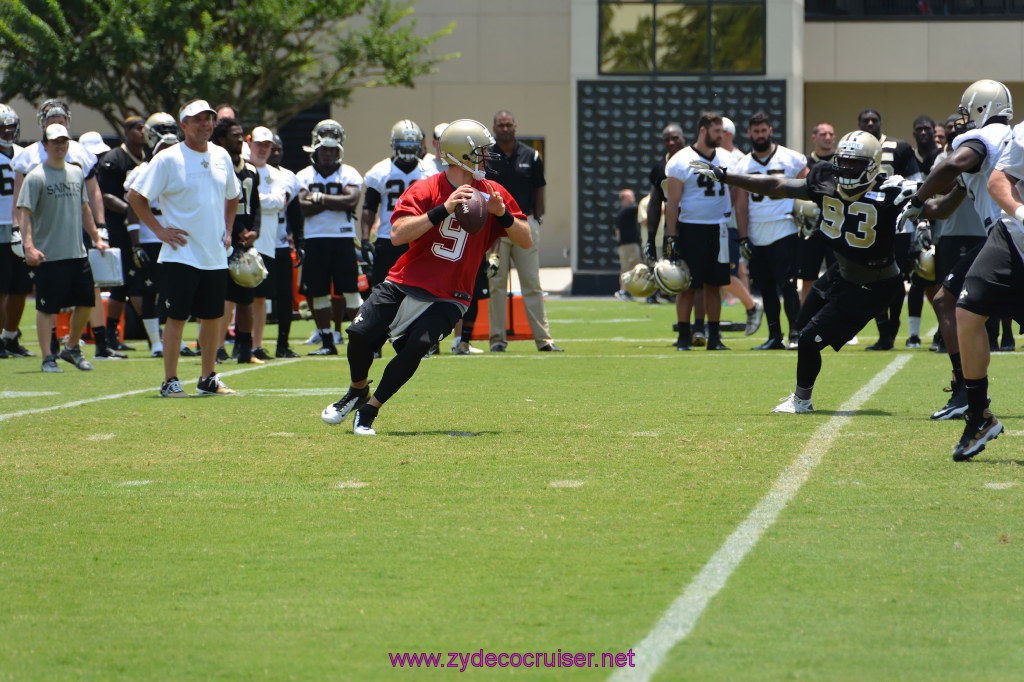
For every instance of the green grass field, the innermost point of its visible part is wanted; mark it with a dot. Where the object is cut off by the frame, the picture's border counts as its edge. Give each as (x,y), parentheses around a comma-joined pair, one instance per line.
(517,502)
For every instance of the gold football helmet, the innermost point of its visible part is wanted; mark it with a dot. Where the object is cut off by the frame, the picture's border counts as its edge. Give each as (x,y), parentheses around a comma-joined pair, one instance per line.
(247,268)
(464,143)
(640,281)
(160,128)
(857,162)
(924,264)
(672,278)
(983,100)
(406,140)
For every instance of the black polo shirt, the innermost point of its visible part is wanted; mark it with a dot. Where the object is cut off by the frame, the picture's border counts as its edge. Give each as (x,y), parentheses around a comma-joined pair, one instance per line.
(521,173)
(626,222)
(111,172)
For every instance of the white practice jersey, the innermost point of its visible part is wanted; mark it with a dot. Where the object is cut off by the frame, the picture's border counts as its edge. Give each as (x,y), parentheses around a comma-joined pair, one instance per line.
(282,219)
(35,154)
(276,190)
(146,235)
(7,193)
(390,182)
(770,219)
(996,137)
(704,201)
(330,223)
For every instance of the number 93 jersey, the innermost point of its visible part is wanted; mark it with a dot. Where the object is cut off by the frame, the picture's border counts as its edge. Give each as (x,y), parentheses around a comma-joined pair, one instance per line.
(704,201)
(390,182)
(330,223)
(863,229)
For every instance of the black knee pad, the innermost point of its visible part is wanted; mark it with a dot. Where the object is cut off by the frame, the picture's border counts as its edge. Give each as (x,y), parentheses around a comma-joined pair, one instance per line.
(810,338)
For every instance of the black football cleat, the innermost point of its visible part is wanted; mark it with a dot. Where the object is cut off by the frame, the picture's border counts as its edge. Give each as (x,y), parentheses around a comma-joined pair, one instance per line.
(773,343)
(955,407)
(976,434)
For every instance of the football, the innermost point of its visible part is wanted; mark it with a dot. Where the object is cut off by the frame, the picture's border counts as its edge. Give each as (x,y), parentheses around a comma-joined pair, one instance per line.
(473,215)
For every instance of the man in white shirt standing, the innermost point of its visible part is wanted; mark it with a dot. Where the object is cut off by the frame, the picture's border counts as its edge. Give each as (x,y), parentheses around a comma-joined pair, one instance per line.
(198,194)
(768,234)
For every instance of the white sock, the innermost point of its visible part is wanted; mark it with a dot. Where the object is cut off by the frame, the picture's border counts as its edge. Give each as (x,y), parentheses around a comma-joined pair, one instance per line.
(10,335)
(915,326)
(152,326)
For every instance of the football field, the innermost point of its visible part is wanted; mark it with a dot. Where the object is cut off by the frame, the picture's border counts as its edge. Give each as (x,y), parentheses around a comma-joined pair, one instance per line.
(530,512)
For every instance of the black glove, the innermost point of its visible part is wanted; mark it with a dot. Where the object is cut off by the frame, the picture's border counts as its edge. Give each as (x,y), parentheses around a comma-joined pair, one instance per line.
(672,249)
(746,248)
(366,248)
(650,252)
(301,255)
(492,266)
(139,257)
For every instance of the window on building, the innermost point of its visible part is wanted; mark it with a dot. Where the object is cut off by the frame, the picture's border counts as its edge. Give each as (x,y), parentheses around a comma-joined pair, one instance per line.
(659,37)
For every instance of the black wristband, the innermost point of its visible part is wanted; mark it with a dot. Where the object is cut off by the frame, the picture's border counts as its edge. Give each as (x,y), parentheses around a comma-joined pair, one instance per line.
(915,202)
(505,219)
(437,214)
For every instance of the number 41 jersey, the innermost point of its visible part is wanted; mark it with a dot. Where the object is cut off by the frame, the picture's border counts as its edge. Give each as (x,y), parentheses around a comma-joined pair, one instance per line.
(704,201)
(863,230)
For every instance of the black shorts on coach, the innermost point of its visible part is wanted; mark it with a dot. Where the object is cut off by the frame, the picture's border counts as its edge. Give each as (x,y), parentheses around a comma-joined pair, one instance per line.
(63,284)
(190,292)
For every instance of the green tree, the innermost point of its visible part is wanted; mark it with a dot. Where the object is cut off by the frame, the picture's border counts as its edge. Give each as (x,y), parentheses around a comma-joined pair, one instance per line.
(271,58)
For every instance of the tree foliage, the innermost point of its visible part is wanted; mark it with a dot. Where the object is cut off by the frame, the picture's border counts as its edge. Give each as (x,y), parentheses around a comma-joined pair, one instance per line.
(271,58)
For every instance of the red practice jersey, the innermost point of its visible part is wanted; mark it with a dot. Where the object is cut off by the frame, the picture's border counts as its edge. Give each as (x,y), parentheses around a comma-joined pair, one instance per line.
(445,259)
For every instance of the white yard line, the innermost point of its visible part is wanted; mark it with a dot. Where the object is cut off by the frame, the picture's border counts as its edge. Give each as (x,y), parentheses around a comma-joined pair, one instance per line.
(684,612)
(115,396)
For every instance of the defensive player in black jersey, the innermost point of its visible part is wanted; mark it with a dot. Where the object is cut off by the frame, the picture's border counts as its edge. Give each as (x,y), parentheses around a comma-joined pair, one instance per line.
(228,134)
(858,218)
(674,140)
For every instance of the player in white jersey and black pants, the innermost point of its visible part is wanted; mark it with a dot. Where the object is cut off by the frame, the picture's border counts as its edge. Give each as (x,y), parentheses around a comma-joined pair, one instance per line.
(275,191)
(768,233)
(696,213)
(328,198)
(984,139)
(15,284)
(198,194)
(289,234)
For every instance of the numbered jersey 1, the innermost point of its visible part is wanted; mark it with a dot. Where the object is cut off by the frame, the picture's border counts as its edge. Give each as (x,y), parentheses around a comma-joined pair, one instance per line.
(390,182)
(445,259)
(330,223)
(863,229)
(704,201)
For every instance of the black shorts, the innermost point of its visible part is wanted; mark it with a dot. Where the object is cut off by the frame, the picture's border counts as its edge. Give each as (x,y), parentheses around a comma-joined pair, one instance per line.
(144,281)
(954,279)
(190,292)
(994,282)
(811,252)
(14,277)
(949,250)
(329,260)
(284,272)
(699,247)
(385,255)
(63,284)
(734,252)
(268,286)
(774,266)
(848,307)
(239,294)
(380,309)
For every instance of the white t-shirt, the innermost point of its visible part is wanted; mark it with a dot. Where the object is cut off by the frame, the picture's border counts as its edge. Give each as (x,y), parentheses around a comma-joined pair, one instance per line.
(146,235)
(7,193)
(390,182)
(704,201)
(282,220)
(276,190)
(192,188)
(330,223)
(996,137)
(35,154)
(769,219)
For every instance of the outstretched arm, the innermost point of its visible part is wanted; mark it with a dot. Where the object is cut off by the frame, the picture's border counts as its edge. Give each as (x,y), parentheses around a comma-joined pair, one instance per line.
(774,186)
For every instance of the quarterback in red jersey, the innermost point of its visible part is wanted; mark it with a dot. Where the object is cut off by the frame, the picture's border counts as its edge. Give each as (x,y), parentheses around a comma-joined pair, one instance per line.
(430,287)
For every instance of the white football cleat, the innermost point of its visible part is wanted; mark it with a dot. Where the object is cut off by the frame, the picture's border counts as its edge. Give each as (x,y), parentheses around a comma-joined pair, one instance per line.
(793,405)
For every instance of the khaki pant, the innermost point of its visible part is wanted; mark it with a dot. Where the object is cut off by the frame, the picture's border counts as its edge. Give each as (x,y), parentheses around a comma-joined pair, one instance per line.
(527,262)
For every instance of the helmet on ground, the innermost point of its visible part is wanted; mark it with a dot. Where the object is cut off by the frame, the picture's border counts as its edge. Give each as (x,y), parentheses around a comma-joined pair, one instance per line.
(465,143)
(406,140)
(857,161)
(672,278)
(640,281)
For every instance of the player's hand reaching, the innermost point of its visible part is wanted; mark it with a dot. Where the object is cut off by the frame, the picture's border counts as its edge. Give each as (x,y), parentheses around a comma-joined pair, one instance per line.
(708,169)
(493,263)
(911,212)
(650,252)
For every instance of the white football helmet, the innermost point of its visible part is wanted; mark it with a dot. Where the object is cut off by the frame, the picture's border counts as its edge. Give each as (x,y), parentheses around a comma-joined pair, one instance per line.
(465,143)
(327,133)
(672,278)
(981,101)
(857,161)
(51,108)
(160,128)
(406,140)
(10,126)
(247,268)
(640,281)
